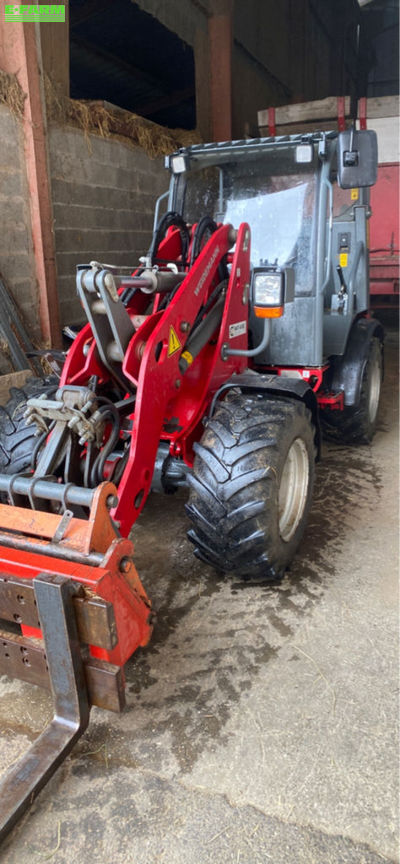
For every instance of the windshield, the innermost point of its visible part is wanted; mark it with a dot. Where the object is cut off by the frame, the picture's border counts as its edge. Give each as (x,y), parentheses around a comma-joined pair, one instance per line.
(273,193)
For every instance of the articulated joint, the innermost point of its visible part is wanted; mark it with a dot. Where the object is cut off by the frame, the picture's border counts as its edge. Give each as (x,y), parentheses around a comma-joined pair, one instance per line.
(170,474)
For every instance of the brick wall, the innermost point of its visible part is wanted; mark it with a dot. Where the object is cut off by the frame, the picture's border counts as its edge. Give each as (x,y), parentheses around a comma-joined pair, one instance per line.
(16,252)
(103,202)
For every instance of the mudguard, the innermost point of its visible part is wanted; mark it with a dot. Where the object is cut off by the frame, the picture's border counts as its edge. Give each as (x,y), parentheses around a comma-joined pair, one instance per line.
(275,385)
(347,371)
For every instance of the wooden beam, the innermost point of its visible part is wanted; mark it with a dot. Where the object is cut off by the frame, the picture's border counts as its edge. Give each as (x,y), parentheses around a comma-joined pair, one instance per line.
(220,31)
(203,83)
(320,109)
(54,39)
(21,55)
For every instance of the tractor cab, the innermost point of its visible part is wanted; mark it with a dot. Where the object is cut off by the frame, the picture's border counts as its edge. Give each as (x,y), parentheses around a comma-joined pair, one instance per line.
(308,235)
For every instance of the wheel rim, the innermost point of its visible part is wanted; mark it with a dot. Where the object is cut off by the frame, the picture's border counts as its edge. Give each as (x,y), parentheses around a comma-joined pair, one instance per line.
(293,489)
(374,391)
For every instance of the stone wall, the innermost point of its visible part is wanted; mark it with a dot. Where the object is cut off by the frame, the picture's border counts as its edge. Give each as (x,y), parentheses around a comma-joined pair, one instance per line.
(103,192)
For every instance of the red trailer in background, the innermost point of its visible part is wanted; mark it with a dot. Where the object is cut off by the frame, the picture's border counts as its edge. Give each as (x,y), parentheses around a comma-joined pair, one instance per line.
(381,114)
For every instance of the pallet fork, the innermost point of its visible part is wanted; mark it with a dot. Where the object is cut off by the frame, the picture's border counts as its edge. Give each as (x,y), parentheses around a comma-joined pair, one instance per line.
(72,611)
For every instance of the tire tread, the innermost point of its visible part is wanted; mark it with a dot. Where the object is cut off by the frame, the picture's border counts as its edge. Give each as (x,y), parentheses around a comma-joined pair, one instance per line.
(234,478)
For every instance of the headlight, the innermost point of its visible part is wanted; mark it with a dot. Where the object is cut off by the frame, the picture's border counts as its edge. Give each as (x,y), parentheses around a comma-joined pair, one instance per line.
(178,164)
(268,293)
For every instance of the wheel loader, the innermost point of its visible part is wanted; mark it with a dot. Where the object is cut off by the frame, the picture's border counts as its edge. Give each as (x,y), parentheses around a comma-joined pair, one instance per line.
(213,363)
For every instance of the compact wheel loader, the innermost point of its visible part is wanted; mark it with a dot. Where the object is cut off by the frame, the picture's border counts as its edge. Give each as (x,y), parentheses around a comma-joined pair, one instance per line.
(212,363)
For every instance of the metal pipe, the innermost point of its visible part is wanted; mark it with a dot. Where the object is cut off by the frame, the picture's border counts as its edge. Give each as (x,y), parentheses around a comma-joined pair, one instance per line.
(157,208)
(52,550)
(135,282)
(324,257)
(252,352)
(68,493)
(155,280)
(353,274)
(328,185)
(161,281)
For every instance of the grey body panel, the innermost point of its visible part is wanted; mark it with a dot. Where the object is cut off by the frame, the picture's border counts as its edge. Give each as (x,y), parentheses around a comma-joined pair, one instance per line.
(336,325)
(291,341)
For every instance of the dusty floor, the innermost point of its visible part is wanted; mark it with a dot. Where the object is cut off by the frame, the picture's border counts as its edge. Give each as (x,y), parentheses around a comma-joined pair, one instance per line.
(261,721)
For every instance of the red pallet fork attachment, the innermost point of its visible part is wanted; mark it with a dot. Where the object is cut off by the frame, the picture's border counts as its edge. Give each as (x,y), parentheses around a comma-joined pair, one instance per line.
(70,589)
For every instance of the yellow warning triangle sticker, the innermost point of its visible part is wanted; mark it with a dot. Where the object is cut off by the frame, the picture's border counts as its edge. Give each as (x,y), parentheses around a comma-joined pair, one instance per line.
(173,342)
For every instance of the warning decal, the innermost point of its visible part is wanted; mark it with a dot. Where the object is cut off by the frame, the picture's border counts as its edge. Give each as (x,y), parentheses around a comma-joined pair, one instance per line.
(173,342)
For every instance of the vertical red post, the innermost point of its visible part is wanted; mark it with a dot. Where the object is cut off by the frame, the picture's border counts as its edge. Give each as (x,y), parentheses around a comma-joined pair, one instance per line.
(20,54)
(220,31)
(341,111)
(271,122)
(362,112)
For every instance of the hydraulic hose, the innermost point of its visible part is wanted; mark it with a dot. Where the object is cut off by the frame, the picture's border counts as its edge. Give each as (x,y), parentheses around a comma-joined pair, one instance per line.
(201,335)
(212,298)
(170,219)
(96,474)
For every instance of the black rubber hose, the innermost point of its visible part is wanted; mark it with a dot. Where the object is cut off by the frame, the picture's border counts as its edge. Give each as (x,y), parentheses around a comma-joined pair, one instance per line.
(96,474)
(199,338)
(213,296)
(39,444)
(128,292)
(206,223)
(167,221)
(128,295)
(119,469)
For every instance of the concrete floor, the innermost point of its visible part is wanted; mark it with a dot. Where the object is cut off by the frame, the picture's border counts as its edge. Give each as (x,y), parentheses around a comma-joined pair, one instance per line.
(261,721)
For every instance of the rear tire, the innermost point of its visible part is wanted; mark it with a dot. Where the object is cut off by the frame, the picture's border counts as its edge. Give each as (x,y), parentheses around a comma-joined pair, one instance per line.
(252,485)
(17,439)
(357,423)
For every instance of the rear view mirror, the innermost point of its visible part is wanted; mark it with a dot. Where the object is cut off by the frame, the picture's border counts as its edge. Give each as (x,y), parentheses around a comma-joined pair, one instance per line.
(357,158)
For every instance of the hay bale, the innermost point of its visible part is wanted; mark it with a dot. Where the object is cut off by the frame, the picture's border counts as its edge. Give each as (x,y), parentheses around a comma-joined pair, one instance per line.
(102,118)
(11,93)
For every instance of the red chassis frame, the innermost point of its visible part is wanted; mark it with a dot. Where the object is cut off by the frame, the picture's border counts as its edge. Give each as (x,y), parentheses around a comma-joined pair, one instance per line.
(165,398)
(314,377)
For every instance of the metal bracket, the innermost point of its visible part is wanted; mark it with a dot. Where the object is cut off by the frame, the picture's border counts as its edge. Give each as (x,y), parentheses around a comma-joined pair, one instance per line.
(226,351)
(111,325)
(23,781)
(63,526)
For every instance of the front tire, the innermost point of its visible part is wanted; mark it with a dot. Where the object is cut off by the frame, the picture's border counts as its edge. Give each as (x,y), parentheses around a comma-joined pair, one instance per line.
(252,485)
